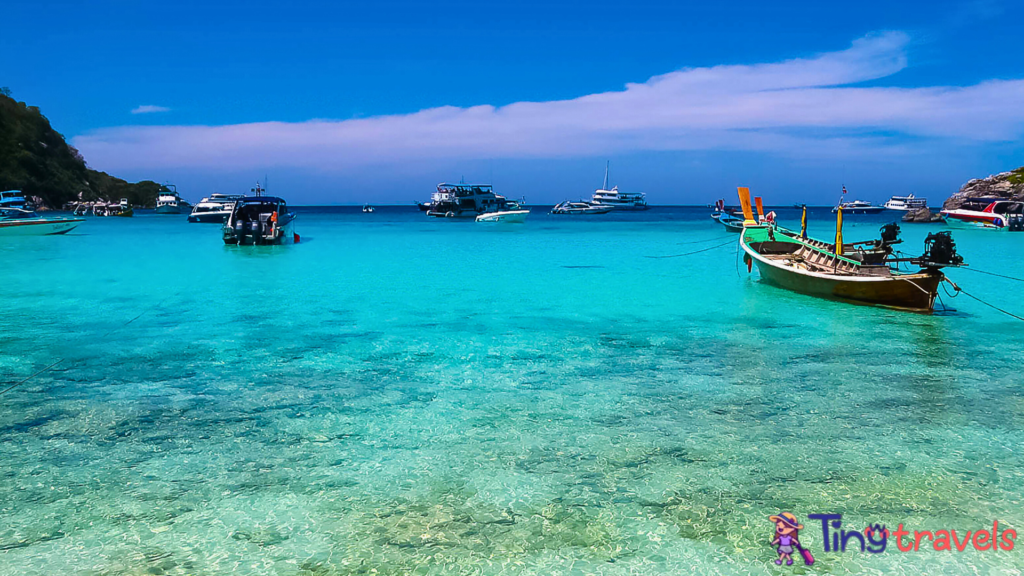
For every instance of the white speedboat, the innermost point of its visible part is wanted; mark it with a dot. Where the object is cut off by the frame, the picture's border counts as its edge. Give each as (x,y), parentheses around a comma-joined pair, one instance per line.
(507,216)
(618,200)
(858,207)
(580,208)
(906,203)
(213,210)
(18,222)
(998,215)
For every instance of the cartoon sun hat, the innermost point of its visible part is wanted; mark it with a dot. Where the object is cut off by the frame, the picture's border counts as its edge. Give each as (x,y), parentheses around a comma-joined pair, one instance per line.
(788,519)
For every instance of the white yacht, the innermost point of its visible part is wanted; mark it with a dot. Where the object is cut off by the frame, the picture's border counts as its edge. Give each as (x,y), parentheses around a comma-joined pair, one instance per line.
(463,201)
(13,199)
(858,207)
(906,203)
(618,200)
(215,209)
(168,201)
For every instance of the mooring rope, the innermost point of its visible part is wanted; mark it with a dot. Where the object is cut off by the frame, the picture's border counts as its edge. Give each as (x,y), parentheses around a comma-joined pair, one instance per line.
(960,290)
(694,252)
(111,331)
(993,274)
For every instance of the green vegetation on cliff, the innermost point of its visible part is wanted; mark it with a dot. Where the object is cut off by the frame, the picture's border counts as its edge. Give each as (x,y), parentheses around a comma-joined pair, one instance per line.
(35,159)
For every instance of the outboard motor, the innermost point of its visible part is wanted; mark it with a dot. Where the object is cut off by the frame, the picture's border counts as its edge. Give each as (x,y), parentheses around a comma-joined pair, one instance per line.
(1016,223)
(890,233)
(939,251)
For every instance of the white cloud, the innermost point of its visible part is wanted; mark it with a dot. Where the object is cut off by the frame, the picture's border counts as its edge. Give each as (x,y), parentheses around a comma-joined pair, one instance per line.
(149,109)
(801,106)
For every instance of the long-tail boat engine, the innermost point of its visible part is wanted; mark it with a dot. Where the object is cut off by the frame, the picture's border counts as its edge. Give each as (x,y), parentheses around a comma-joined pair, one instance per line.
(939,251)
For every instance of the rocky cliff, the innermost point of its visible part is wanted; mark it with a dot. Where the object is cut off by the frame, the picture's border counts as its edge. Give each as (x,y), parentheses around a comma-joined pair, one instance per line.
(1005,185)
(35,159)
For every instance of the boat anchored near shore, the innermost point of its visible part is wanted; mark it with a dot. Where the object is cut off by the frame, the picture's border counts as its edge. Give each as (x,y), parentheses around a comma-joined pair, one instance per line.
(19,222)
(793,261)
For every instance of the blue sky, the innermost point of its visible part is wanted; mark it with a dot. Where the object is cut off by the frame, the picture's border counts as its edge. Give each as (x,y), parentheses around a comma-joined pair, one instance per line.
(890,97)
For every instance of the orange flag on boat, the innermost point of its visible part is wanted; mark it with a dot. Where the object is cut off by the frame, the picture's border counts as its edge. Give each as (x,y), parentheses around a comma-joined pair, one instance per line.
(748,214)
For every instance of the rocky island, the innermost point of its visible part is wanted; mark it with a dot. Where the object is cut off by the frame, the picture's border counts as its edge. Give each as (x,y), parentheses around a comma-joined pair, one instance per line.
(1009,185)
(35,159)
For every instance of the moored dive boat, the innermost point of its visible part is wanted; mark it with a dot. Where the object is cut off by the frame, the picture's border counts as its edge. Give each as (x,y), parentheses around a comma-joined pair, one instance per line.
(793,261)
(858,207)
(168,201)
(18,222)
(618,200)
(905,203)
(580,208)
(260,220)
(512,212)
(14,199)
(997,215)
(214,209)
(463,200)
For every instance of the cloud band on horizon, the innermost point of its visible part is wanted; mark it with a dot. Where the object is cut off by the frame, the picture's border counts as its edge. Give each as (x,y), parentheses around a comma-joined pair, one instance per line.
(799,106)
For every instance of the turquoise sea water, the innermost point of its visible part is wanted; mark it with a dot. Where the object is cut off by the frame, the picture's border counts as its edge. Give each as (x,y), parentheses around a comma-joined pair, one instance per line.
(398,395)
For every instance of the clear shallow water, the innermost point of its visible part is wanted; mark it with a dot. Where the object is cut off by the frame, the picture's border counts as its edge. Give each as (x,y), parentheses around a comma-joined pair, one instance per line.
(398,395)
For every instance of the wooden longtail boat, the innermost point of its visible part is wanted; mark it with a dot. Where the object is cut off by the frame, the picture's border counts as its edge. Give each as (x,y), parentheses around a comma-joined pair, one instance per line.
(791,260)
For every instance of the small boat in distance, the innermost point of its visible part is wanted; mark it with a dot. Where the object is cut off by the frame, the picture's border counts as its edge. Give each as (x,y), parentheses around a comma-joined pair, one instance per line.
(793,261)
(730,222)
(14,199)
(618,200)
(906,203)
(214,209)
(858,207)
(580,208)
(511,213)
(463,200)
(997,215)
(19,222)
(367,208)
(168,201)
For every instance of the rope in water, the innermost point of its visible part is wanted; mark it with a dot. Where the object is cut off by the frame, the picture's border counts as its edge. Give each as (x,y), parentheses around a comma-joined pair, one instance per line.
(712,239)
(5,391)
(694,252)
(994,274)
(958,290)
(59,360)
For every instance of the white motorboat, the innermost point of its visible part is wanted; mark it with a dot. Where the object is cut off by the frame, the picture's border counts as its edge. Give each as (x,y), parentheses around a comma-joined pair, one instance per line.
(215,209)
(580,208)
(618,200)
(997,215)
(858,207)
(511,213)
(18,222)
(905,203)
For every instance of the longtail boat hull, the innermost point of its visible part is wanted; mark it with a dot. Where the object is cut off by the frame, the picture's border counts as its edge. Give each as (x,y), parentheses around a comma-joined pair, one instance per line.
(911,293)
(785,260)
